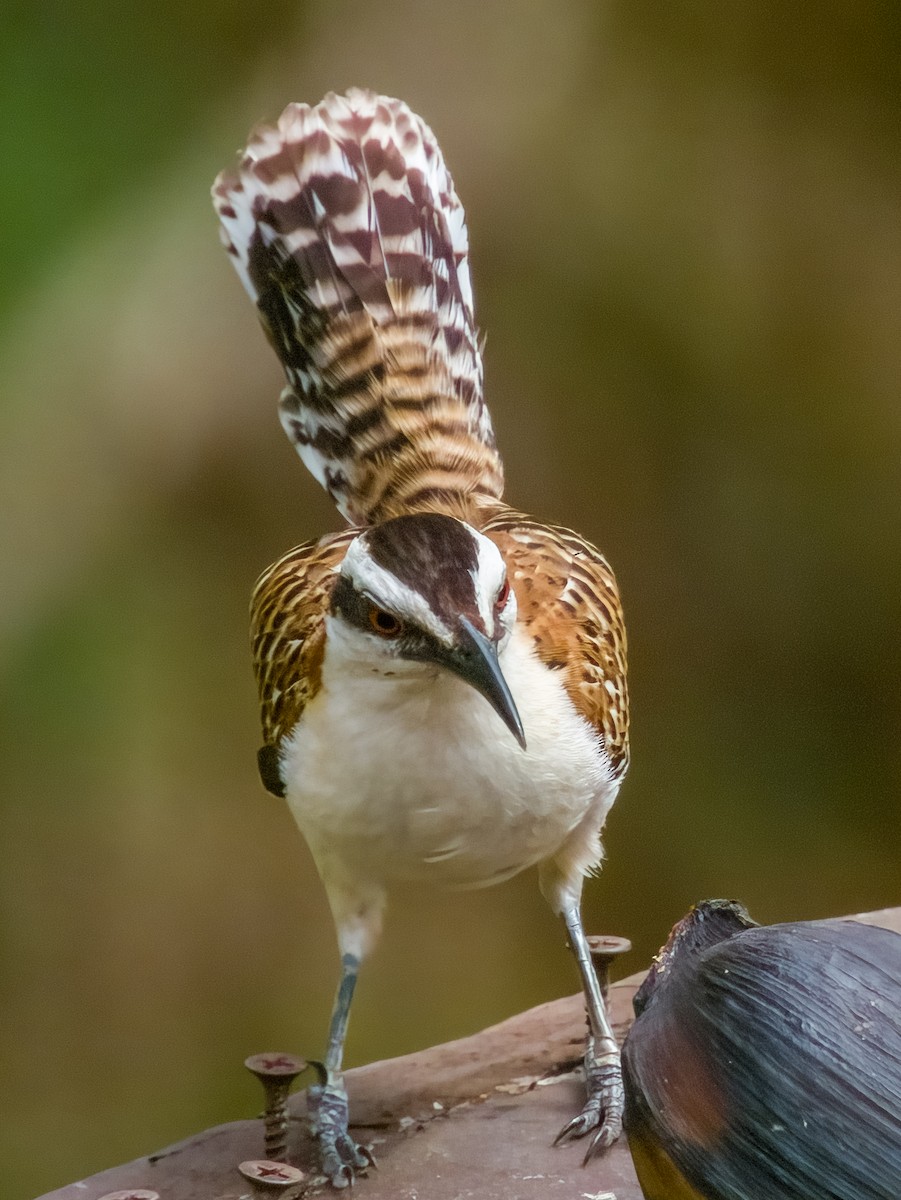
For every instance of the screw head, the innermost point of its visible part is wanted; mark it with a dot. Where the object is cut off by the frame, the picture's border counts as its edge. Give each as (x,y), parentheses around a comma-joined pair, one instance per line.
(272,1174)
(133,1194)
(275,1066)
(607,946)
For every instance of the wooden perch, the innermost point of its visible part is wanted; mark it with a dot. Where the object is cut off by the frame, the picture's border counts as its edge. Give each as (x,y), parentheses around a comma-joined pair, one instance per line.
(474,1118)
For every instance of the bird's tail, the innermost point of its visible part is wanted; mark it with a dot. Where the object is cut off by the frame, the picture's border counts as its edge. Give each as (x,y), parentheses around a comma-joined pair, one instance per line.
(344,226)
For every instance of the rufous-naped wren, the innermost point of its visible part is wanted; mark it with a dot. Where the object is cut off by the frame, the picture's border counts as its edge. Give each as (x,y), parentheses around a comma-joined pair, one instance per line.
(443,682)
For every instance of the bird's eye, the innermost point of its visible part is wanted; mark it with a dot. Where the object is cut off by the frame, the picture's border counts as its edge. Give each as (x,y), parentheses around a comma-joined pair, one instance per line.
(502,595)
(384,623)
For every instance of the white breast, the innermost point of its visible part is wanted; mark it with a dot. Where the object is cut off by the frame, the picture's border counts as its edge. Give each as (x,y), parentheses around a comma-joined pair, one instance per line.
(412,776)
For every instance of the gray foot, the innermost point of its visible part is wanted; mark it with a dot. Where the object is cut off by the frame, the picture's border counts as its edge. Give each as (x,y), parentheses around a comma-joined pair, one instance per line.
(603,1109)
(340,1158)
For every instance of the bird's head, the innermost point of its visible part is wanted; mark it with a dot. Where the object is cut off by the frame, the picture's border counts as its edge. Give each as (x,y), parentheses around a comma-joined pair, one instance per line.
(427,588)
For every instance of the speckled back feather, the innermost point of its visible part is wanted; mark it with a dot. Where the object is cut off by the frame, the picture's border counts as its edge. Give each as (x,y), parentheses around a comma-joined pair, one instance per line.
(344,227)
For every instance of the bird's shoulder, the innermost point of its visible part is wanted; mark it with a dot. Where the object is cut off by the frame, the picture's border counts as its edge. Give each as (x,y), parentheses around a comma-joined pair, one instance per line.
(568,602)
(287,630)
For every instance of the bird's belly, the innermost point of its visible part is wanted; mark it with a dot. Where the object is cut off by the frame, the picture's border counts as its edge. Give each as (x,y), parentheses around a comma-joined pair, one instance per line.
(432,786)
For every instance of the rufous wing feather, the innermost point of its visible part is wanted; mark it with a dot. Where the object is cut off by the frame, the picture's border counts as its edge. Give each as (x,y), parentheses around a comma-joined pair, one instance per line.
(568,601)
(287,632)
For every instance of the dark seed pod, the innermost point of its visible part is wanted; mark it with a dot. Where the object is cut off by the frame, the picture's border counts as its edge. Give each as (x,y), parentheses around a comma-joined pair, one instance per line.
(765,1062)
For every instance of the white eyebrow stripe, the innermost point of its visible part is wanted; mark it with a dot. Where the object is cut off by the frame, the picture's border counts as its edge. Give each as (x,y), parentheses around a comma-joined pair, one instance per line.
(367,576)
(487,578)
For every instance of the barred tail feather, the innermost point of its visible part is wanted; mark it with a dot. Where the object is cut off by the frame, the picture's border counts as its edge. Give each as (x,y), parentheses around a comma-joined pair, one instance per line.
(343,224)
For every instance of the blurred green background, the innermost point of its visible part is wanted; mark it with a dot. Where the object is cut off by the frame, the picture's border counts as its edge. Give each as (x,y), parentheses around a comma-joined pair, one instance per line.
(687,254)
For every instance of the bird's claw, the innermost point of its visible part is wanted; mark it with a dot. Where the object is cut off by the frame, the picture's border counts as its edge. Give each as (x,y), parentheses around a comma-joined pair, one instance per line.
(602,1111)
(608,1126)
(603,1139)
(340,1158)
(587,1120)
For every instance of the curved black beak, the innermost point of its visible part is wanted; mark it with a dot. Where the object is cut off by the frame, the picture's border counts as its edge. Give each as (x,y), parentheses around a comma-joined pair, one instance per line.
(475,661)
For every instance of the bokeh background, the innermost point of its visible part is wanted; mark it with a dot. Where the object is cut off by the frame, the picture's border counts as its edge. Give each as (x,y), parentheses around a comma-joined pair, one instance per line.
(687,255)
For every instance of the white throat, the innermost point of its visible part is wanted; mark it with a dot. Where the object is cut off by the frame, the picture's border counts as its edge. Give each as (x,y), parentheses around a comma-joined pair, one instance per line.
(402,771)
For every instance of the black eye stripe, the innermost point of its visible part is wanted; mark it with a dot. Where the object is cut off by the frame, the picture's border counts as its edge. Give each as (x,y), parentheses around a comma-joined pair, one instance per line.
(359,608)
(351,604)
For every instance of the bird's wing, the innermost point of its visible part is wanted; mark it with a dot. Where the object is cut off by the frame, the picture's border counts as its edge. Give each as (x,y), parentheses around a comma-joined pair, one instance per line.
(287,630)
(568,600)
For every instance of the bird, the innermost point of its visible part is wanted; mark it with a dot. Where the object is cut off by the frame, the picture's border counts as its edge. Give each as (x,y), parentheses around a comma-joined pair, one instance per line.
(765,1061)
(443,681)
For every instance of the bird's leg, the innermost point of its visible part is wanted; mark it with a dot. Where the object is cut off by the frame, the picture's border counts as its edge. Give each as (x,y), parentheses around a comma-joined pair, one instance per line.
(341,1158)
(603,1110)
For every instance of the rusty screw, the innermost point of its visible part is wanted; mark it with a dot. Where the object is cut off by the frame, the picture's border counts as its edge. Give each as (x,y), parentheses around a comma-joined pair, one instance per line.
(604,949)
(270,1174)
(276,1072)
